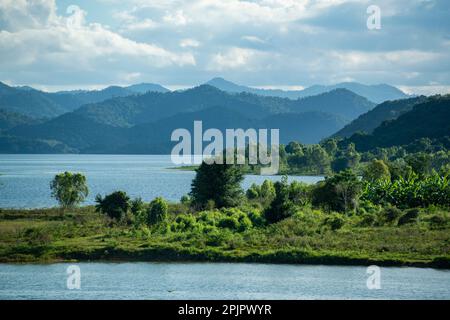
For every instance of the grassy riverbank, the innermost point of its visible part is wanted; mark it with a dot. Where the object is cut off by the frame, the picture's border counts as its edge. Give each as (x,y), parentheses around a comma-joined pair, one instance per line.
(48,235)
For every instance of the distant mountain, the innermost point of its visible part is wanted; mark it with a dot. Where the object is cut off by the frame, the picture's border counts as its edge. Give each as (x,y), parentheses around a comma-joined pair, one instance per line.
(147,87)
(339,102)
(375,93)
(152,106)
(143,123)
(11,144)
(429,119)
(31,103)
(231,87)
(38,104)
(10,120)
(388,110)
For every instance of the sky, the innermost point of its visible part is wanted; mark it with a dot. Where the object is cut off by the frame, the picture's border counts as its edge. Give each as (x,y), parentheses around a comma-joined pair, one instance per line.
(71,44)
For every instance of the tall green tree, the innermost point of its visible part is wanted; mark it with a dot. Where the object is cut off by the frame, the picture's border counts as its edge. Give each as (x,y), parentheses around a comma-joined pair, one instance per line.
(377,170)
(340,192)
(282,206)
(69,189)
(220,183)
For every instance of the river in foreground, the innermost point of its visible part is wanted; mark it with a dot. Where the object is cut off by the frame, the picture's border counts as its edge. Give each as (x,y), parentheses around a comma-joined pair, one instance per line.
(143,280)
(25,179)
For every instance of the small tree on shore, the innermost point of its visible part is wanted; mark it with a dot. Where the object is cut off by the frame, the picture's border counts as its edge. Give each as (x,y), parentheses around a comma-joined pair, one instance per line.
(69,189)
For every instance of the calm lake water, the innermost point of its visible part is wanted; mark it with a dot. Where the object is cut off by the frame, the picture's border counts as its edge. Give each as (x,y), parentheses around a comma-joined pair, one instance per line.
(219,281)
(25,179)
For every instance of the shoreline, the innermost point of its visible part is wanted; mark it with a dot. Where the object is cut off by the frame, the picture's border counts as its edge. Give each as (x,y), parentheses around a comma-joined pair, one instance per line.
(281,257)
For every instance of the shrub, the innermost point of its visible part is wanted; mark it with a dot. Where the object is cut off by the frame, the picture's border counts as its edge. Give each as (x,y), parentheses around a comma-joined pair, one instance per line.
(391,214)
(157,211)
(115,205)
(183,223)
(253,192)
(335,221)
(409,217)
(230,223)
(367,220)
(437,221)
(256,218)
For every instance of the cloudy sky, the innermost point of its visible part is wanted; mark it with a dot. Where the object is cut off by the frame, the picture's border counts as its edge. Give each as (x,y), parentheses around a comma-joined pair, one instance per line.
(66,44)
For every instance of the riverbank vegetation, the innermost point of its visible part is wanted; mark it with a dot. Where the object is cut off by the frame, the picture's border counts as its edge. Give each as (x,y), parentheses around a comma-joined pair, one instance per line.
(378,219)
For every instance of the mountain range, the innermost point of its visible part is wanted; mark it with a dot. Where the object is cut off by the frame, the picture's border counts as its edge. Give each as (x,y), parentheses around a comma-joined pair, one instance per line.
(140,118)
(41,105)
(376,93)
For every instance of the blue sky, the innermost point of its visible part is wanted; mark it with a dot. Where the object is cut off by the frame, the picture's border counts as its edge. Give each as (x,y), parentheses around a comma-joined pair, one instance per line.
(265,43)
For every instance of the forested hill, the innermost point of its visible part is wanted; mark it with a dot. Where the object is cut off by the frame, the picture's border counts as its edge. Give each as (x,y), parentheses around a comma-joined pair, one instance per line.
(110,125)
(430,119)
(41,105)
(388,110)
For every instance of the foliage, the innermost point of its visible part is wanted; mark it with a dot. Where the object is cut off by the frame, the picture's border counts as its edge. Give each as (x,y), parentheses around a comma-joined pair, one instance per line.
(157,211)
(376,170)
(69,189)
(281,207)
(410,192)
(114,205)
(217,182)
(340,192)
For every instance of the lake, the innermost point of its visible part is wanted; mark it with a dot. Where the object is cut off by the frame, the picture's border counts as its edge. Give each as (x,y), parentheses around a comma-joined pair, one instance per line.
(146,280)
(25,179)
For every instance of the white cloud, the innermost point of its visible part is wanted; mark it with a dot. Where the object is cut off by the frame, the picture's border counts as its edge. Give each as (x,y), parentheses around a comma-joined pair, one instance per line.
(254,42)
(237,58)
(184,43)
(34,37)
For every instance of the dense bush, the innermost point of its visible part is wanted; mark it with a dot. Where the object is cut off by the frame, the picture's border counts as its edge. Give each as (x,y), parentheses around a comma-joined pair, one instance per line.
(335,221)
(340,192)
(115,205)
(410,192)
(410,216)
(157,211)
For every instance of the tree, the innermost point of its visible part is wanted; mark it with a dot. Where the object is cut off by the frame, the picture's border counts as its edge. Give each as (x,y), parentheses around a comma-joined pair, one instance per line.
(220,183)
(340,192)
(281,207)
(157,212)
(346,160)
(114,205)
(69,189)
(377,170)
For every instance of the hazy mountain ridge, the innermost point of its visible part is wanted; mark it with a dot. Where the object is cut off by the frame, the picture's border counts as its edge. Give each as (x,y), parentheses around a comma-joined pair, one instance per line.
(375,93)
(39,104)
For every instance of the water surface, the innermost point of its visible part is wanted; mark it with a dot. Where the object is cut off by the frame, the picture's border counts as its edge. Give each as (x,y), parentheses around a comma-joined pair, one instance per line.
(25,179)
(141,280)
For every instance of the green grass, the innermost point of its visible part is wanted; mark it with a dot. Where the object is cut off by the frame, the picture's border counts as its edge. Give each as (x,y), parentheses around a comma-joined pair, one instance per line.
(49,235)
